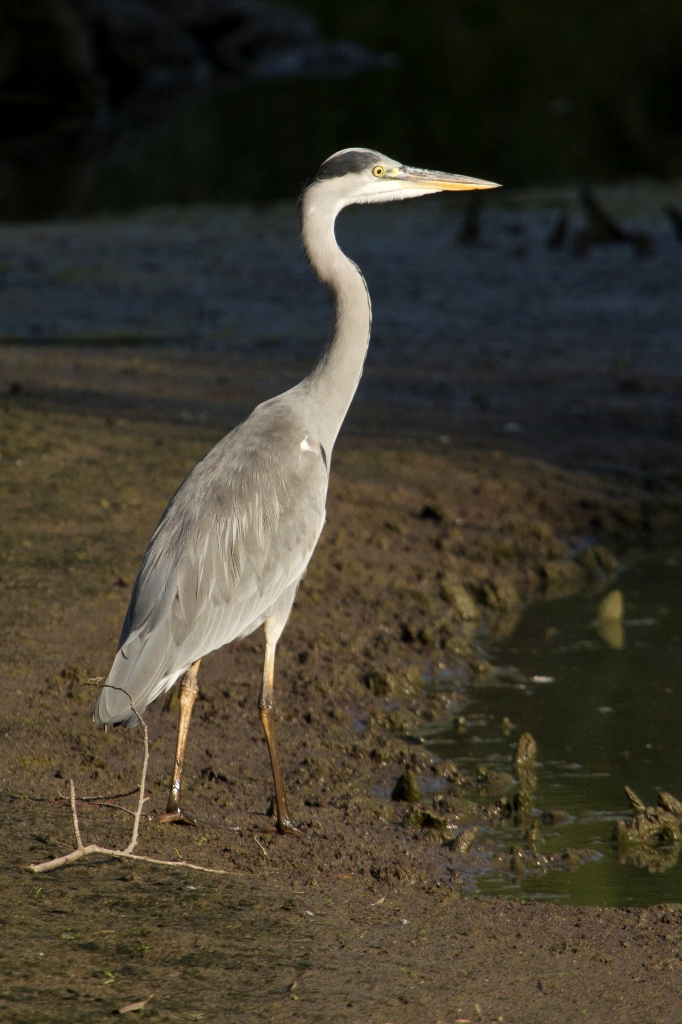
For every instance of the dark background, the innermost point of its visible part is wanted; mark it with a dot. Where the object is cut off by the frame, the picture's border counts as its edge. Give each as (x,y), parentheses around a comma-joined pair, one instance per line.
(520,91)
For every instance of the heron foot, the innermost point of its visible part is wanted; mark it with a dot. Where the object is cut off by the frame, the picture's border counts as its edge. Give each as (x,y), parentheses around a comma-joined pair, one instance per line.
(282,828)
(176,817)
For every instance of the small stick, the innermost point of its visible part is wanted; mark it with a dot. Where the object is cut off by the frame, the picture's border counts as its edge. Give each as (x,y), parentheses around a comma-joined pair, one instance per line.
(127,854)
(112,796)
(82,802)
(116,807)
(69,858)
(74,812)
(143,799)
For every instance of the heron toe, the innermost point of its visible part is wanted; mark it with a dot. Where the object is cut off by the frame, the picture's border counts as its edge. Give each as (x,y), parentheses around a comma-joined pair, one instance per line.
(285,829)
(176,817)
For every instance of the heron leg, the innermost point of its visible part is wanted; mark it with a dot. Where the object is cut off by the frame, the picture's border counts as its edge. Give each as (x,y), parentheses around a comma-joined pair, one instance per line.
(266,708)
(189,690)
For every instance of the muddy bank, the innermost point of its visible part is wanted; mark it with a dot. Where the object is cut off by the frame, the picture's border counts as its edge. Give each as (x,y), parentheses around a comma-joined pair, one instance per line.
(443,522)
(427,551)
(89,942)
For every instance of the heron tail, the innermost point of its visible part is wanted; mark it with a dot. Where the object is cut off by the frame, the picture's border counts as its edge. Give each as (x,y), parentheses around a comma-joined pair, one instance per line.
(113,707)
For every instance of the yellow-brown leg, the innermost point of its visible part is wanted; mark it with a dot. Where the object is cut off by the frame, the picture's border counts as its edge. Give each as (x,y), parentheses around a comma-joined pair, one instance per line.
(189,690)
(266,708)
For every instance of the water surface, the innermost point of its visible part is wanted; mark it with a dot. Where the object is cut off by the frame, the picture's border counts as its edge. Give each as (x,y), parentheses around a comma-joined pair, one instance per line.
(603,715)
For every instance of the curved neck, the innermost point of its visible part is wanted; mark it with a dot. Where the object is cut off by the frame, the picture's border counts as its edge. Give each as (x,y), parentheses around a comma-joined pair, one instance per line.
(330,387)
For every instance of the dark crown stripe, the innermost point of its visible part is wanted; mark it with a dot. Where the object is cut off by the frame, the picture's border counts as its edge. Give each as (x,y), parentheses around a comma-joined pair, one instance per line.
(352,162)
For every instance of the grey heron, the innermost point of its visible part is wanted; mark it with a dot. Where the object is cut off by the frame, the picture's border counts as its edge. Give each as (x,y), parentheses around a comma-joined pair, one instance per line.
(236,539)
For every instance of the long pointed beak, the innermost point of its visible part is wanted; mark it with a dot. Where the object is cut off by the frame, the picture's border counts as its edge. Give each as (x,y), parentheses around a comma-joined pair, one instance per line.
(438,181)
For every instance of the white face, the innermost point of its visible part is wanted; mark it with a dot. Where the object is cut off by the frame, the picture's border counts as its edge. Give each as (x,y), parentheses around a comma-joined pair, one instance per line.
(383,180)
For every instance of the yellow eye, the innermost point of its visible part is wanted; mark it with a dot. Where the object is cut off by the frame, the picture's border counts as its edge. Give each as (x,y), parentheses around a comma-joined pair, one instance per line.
(378,171)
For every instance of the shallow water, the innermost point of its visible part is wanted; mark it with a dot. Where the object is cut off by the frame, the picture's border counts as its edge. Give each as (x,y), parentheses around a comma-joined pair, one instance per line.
(609,717)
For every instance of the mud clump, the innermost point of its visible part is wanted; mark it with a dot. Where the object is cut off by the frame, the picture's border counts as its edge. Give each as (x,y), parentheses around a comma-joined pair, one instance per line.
(610,620)
(561,575)
(598,562)
(492,782)
(464,841)
(555,818)
(417,818)
(655,859)
(74,680)
(406,788)
(653,827)
(651,838)
(524,766)
(457,808)
(571,858)
(499,594)
(612,607)
(461,600)
(404,683)
(670,803)
(526,751)
(533,836)
(638,806)
(522,803)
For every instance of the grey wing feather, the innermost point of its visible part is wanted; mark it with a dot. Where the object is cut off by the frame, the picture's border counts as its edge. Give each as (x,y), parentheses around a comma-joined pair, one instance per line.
(240,530)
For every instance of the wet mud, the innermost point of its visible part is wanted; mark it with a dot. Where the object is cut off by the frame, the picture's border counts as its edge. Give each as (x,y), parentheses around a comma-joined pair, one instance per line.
(651,837)
(438,535)
(427,551)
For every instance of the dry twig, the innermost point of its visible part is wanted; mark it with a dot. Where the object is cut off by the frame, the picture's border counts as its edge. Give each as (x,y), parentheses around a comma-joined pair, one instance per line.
(101,801)
(260,846)
(107,799)
(139,1005)
(127,854)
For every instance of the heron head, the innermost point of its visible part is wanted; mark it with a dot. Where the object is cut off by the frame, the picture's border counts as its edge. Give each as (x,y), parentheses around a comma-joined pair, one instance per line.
(365,176)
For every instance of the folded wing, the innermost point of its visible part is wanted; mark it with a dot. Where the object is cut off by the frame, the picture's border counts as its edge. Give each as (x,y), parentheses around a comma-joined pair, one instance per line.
(240,530)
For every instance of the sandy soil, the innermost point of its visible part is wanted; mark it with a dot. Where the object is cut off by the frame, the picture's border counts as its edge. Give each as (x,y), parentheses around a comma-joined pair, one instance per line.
(434,541)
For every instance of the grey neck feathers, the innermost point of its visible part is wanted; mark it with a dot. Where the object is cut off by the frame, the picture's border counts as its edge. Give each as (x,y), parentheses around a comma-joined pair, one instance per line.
(329,389)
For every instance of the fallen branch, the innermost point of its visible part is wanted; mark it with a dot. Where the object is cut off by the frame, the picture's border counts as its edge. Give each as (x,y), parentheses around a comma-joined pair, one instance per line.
(89,803)
(100,801)
(139,1005)
(260,846)
(106,799)
(126,854)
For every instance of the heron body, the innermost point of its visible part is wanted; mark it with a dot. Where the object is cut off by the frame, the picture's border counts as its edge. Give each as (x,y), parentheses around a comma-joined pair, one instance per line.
(237,537)
(234,541)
